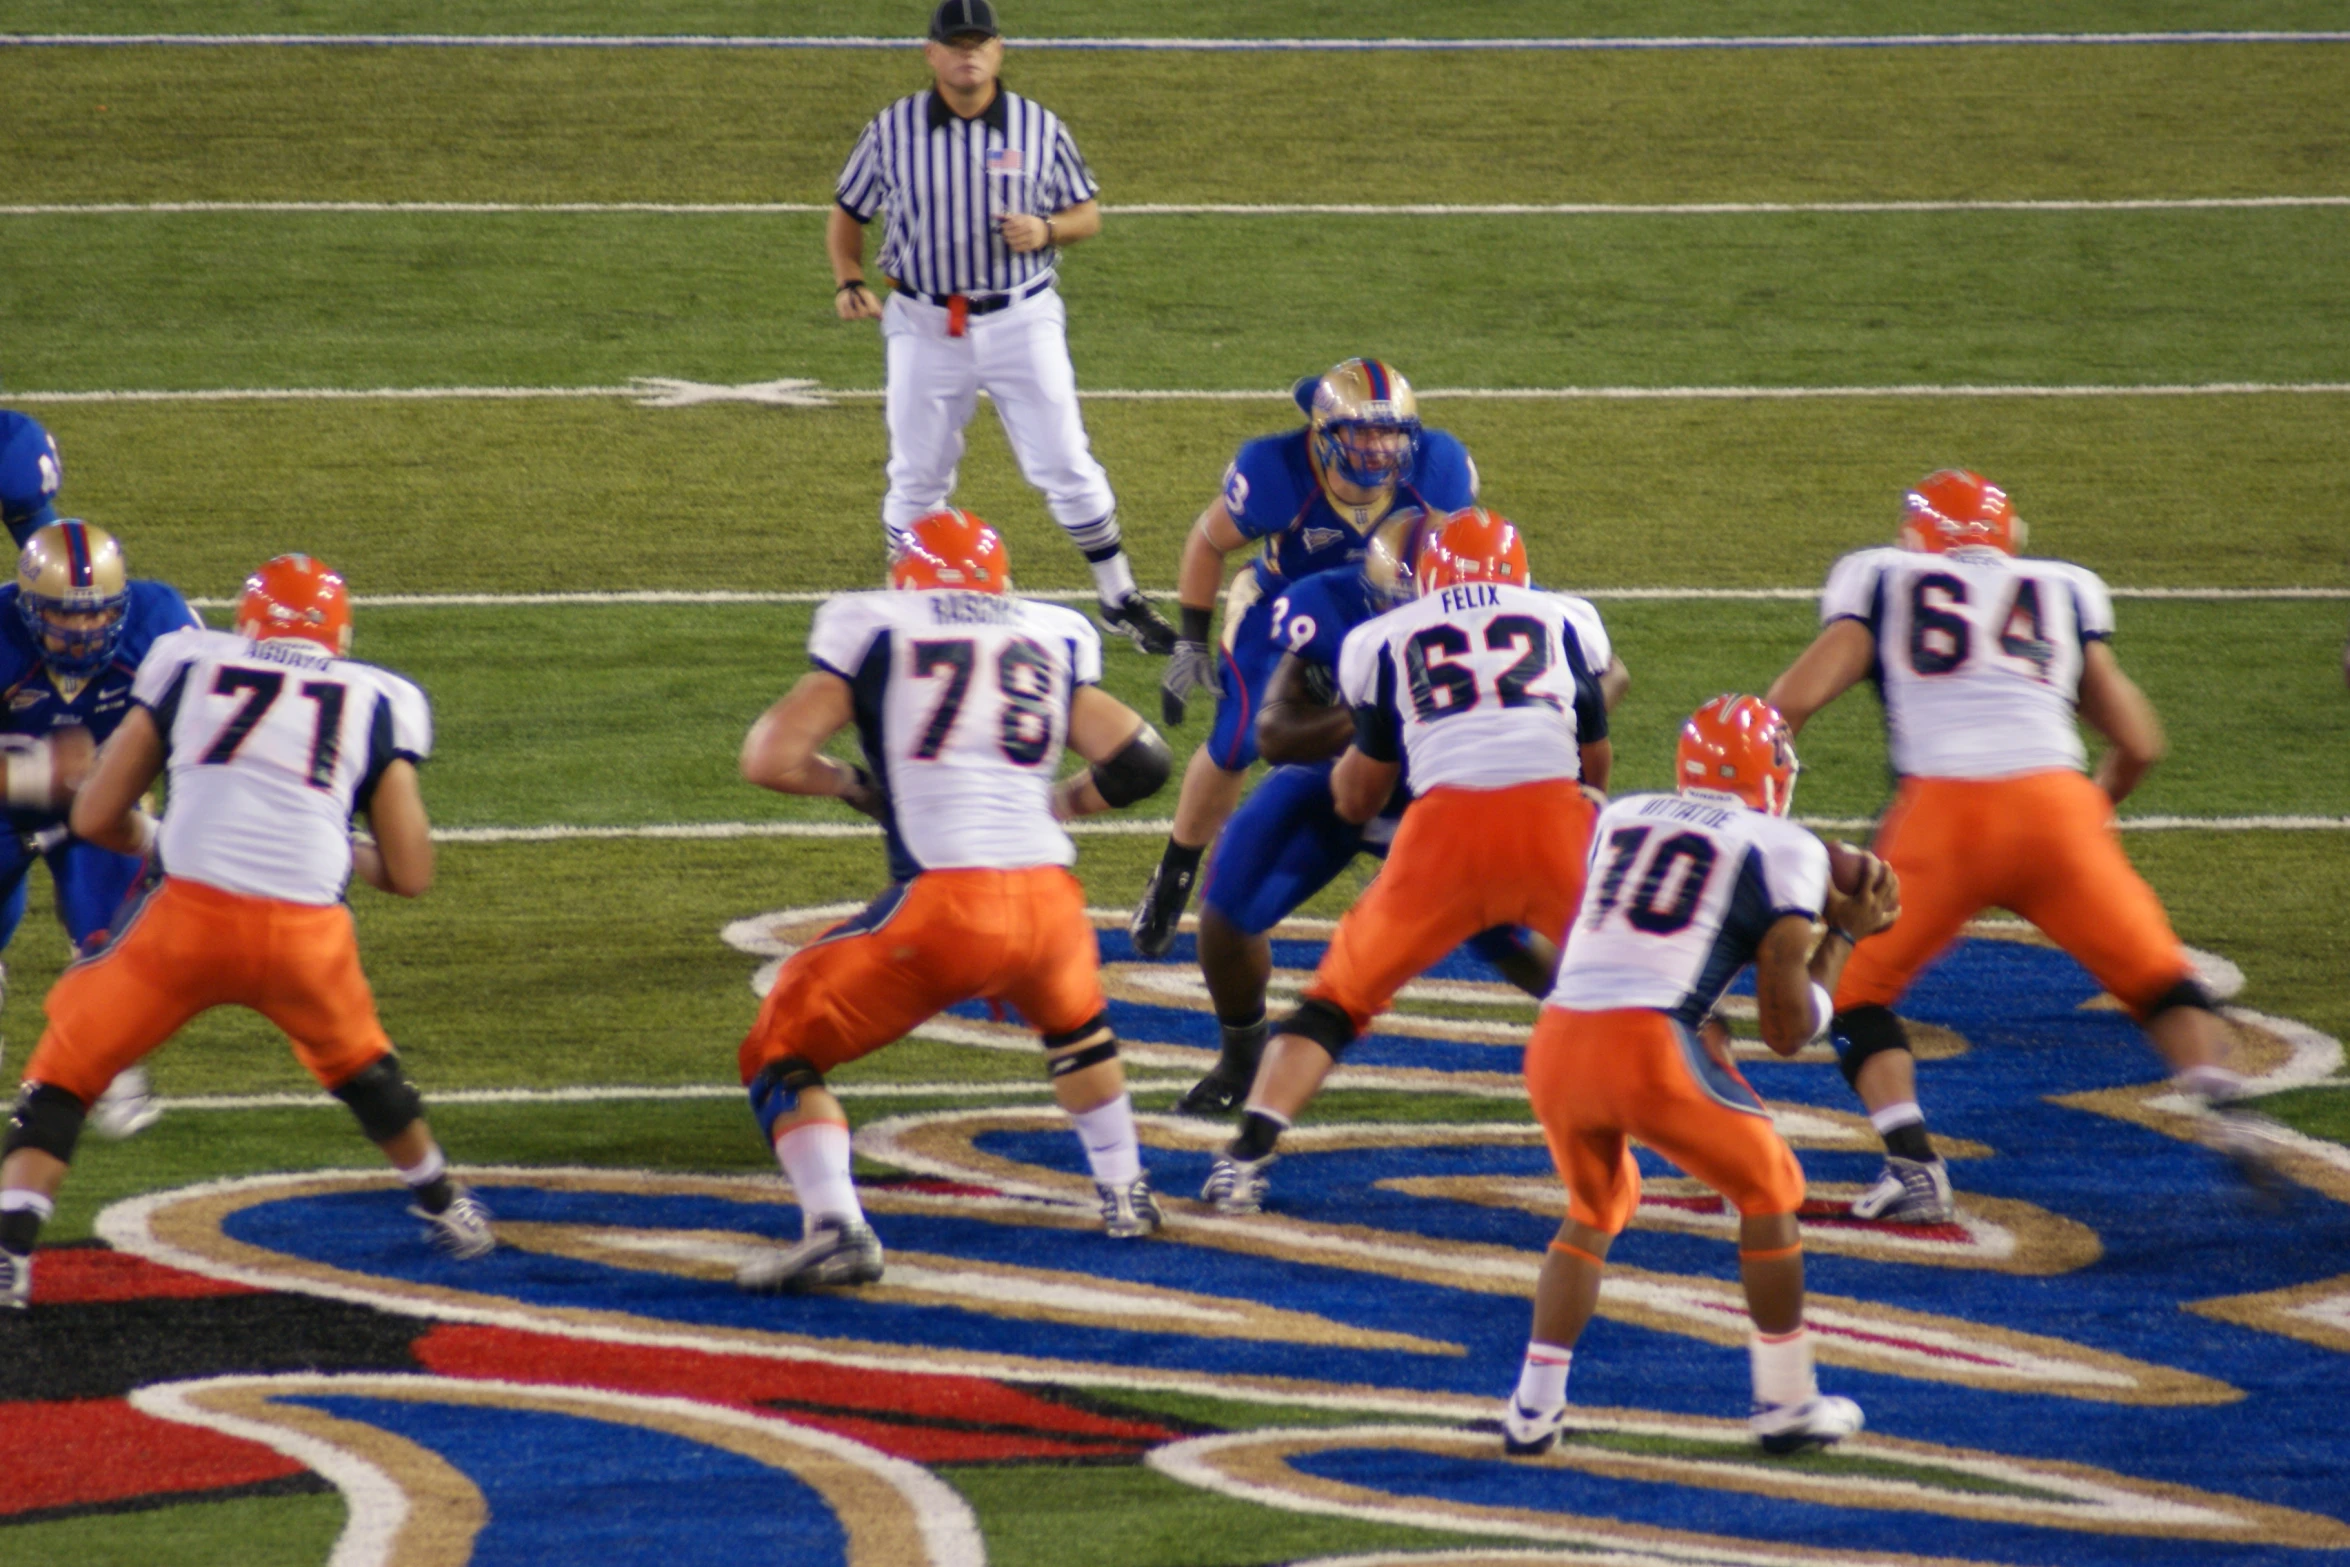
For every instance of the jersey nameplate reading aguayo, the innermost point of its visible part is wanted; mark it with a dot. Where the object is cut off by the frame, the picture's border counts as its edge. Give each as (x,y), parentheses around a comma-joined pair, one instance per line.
(962,701)
(1978,655)
(272,747)
(1447,684)
(1679,896)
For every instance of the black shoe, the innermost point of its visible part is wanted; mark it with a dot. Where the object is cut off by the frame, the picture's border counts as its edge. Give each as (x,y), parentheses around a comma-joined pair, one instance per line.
(1152,929)
(1213,1095)
(1134,616)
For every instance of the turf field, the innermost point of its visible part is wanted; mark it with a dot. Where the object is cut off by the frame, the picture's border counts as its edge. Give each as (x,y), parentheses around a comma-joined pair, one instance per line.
(2028,342)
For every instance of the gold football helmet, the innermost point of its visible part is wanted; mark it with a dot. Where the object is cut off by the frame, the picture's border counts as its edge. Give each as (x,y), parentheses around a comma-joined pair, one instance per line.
(1393,555)
(1366,423)
(73,592)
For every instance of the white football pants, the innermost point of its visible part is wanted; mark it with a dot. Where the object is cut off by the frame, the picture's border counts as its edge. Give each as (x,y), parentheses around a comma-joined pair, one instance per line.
(1020,357)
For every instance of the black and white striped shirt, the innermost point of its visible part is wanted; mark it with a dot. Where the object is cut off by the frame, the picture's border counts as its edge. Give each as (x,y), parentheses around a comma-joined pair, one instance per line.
(945,180)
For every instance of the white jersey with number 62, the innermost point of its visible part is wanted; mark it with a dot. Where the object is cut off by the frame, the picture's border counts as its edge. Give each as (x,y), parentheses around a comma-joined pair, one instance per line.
(1979,655)
(272,746)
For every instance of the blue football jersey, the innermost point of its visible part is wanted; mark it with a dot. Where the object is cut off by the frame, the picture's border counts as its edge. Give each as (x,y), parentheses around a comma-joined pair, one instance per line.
(1271,494)
(33,702)
(1312,617)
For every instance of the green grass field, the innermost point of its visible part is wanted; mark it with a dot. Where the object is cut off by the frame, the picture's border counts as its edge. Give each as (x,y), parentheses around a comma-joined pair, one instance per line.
(598,962)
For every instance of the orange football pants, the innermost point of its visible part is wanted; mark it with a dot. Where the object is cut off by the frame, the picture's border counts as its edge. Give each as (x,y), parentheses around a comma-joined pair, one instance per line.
(1020,937)
(1463,861)
(1599,1079)
(190,947)
(2042,844)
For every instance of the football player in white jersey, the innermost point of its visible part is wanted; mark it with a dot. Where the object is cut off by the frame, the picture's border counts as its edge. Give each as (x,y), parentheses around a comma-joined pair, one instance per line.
(273,740)
(1492,690)
(1685,890)
(964,697)
(1985,657)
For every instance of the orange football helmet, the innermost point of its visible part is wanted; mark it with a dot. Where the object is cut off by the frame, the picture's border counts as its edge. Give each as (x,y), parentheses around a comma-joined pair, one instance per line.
(1952,508)
(1738,746)
(297,596)
(951,549)
(1473,545)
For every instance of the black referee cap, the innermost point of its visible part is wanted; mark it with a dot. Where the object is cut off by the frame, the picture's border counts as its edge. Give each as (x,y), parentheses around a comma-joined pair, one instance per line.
(960,18)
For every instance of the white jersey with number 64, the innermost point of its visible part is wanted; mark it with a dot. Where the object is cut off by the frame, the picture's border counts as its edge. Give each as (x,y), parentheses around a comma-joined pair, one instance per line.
(272,746)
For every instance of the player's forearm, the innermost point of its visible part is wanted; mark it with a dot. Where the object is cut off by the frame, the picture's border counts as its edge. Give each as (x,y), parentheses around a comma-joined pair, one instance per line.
(1302,731)
(1201,575)
(1359,786)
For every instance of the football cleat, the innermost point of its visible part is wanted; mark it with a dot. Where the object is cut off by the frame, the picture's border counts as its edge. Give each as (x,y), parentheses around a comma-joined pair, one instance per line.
(73,592)
(462,1229)
(2253,1144)
(1525,1434)
(1954,509)
(1819,1421)
(1130,1210)
(1472,545)
(1236,1186)
(16,1282)
(950,549)
(834,1251)
(1152,929)
(1908,1191)
(1213,1095)
(1738,748)
(1366,423)
(128,1107)
(297,596)
(1140,623)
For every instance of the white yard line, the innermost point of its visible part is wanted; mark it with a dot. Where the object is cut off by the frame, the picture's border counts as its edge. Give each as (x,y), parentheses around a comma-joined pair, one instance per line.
(1123,827)
(1194,45)
(1566,209)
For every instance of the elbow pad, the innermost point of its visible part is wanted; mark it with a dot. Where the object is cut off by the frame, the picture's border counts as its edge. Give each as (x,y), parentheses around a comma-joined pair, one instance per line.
(1137,772)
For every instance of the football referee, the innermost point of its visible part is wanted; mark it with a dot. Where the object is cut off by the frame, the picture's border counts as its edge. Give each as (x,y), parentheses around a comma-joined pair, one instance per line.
(981,187)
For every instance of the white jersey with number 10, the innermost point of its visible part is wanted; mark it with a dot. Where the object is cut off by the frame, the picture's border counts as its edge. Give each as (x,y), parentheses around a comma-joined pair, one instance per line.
(1979,655)
(272,746)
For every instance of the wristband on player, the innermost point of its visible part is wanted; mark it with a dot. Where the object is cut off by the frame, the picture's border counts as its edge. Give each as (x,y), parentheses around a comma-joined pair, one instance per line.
(1848,937)
(1195,623)
(32,773)
(1823,1010)
(855,282)
(1048,231)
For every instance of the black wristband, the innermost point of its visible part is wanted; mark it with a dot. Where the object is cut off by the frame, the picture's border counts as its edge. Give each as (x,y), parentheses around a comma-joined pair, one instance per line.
(1850,939)
(855,282)
(1195,623)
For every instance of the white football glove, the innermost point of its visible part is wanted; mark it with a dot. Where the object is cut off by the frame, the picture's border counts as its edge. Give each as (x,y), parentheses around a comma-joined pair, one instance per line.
(1191,667)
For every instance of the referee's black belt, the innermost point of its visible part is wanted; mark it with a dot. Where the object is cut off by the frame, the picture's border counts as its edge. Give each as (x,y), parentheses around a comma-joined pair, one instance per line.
(981,304)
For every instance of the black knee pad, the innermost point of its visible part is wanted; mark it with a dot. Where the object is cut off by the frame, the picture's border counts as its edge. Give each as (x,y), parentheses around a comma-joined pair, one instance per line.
(775,1092)
(1079,1060)
(2188,992)
(1322,1023)
(46,1118)
(383,1099)
(1862,1032)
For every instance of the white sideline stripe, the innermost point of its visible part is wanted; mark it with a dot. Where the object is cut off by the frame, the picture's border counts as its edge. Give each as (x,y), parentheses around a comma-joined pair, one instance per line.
(1123,828)
(1210,395)
(1083,595)
(1566,209)
(1205,45)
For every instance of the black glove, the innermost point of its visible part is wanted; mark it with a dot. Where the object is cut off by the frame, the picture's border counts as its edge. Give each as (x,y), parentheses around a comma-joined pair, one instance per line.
(865,796)
(1191,667)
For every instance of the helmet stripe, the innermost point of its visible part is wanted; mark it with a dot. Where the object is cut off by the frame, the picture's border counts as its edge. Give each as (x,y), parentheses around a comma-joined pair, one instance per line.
(77,555)
(1376,374)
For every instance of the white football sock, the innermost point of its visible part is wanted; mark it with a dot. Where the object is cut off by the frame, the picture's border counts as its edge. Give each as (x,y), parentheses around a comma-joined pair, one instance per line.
(815,1156)
(1113,579)
(1894,1117)
(1782,1367)
(1107,1131)
(1542,1380)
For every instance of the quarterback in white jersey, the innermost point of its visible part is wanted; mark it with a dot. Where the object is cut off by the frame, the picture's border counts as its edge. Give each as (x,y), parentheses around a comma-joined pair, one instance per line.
(964,697)
(1985,658)
(1685,890)
(273,740)
(1491,691)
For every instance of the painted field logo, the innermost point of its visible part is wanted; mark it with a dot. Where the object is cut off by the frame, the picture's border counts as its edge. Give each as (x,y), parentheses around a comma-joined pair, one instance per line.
(2065,1373)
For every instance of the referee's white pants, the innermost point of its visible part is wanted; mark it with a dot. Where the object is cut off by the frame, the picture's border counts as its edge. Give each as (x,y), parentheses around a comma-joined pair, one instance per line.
(1020,357)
